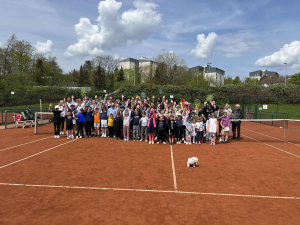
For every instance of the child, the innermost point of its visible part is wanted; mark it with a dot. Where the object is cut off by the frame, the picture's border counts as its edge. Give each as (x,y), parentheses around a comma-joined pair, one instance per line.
(161,130)
(69,121)
(126,125)
(89,122)
(118,125)
(184,119)
(151,126)
(56,119)
(80,123)
(96,121)
(193,134)
(136,125)
(166,132)
(110,124)
(179,129)
(104,119)
(172,127)
(144,128)
(212,128)
(199,130)
(188,131)
(225,123)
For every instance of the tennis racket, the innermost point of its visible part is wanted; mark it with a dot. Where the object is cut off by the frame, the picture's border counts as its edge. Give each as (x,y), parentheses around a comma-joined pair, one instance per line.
(143,95)
(160,91)
(197,102)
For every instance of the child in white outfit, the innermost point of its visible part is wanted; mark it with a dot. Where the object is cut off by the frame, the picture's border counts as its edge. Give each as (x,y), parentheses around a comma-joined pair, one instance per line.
(213,128)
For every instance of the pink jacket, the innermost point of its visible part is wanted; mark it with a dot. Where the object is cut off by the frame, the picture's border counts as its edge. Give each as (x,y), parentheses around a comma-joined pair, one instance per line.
(152,119)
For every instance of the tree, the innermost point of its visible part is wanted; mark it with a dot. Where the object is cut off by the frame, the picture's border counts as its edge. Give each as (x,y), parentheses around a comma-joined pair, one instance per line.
(237,80)
(39,73)
(81,78)
(121,75)
(249,80)
(295,79)
(99,77)
(172,61)
(228,80)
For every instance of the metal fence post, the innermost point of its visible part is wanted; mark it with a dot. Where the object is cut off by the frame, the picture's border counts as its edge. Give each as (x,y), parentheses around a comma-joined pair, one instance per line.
(5,119)
(284,131)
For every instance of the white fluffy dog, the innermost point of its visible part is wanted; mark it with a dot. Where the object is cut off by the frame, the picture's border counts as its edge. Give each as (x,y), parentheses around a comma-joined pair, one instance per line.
(192,162)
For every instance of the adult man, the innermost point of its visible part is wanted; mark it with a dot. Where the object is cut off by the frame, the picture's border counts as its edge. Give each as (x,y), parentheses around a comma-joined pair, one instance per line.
(112,109)
(237,114)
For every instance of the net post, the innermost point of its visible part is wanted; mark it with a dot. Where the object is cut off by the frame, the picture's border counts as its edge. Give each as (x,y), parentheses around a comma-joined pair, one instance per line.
(284,131)
(35,123)
(5,118)
(41,109)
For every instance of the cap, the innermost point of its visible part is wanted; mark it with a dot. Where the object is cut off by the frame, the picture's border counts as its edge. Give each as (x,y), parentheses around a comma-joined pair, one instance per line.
(97,107)
(72,104)
(81,109)
(221,107)
(210,108)
(57,107)
(186,103)
(177,106)
(168,106)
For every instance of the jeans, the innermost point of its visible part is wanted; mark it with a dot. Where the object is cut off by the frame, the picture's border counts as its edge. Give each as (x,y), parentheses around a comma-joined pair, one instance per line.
(234,127)
(80,128)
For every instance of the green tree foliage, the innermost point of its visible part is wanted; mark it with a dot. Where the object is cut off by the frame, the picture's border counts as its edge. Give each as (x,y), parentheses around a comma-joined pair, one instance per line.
(295,79)
(120,75)
(39,72)
(228,80)
(237,80)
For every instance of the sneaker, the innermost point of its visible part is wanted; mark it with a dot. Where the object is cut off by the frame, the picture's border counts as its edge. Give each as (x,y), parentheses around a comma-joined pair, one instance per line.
(211,143)
(199,143)
(86,136)
(146,140)
(133,139)
(196,143)
(80,136)
(225,142)
(98,135)
(155,139)
(150,142)
(76,137)
(153,142)
(62,133)
(58,136)
(237,139)
(164,143)
(158,142)
(214,143)
(114,136)
(90,136)
(187,143)
(55,136)
(190,143)
(68,137)
(141,140)
(220,140)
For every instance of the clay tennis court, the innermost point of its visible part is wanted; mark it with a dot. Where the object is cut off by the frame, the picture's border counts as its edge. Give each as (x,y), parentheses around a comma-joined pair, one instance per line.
(102,181)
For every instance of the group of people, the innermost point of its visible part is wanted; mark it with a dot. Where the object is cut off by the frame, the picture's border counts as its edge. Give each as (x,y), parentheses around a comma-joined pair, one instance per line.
(146,120)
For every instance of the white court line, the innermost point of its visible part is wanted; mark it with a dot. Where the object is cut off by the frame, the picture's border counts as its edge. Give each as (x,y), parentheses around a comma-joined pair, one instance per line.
(36,154)
(145,190)
(270,136)
(272,146)
(24,144)
(173,168)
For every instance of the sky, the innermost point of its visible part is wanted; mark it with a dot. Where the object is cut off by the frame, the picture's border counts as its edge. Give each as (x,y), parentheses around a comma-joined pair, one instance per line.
(236,36)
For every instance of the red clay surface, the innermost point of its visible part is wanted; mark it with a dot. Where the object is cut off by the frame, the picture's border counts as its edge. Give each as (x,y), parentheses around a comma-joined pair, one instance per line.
(245,167)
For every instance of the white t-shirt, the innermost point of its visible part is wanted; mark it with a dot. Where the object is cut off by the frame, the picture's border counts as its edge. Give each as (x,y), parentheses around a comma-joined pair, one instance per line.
(63,111)
(200,126)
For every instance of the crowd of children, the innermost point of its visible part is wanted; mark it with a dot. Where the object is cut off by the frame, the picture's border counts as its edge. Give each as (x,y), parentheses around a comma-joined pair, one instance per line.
(142,120)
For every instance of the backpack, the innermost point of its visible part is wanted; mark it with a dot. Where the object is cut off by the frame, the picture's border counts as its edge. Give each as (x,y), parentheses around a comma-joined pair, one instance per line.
(19,117)
(30,115)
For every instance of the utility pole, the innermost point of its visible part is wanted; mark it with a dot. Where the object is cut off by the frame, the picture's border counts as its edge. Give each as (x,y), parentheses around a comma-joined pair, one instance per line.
(134,74)
(285,72)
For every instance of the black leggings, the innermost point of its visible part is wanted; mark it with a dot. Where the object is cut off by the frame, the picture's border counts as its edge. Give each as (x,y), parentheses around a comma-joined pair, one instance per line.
(183,131)
(161,134)
(62,123)
(88,127)
(118,131)
(56,127)
(110,132)
(199,135)
(80,128)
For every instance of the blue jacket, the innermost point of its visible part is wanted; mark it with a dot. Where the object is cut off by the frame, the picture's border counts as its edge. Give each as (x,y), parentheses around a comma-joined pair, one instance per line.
(80,117)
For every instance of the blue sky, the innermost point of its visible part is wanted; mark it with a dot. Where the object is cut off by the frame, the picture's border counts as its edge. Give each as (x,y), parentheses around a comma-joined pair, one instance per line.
(236,36)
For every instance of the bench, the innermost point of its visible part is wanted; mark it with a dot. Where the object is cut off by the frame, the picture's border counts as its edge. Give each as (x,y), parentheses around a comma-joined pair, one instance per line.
(23,123)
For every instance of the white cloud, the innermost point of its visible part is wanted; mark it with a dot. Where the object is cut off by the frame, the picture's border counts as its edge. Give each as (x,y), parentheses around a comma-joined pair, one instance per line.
(205,46)
(44,48)
(111,30)
(235,44)
(289,53)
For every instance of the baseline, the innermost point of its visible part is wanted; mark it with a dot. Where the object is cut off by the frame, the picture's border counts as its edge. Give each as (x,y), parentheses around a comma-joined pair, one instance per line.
(155,191)
(24,144)
(36,154)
